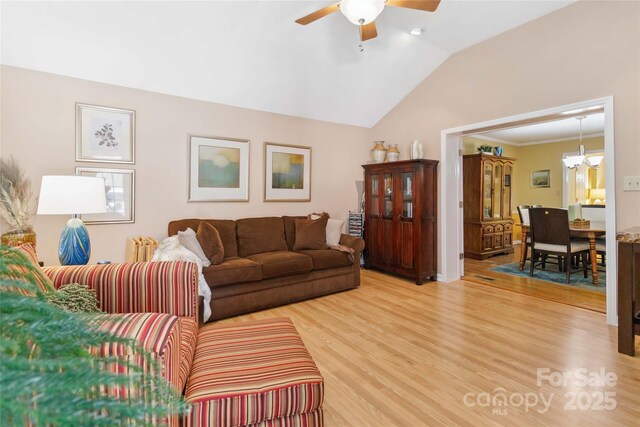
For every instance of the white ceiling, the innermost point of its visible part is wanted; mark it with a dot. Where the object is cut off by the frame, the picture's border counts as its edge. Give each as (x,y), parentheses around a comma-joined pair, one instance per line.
(251,53)
(554,131)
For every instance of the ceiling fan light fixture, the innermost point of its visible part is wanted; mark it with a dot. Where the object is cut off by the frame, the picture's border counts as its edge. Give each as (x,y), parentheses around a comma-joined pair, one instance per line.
(361,12)
(417,31)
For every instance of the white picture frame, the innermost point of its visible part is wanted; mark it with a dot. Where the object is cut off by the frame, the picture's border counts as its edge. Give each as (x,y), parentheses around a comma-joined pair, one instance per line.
(218,169)
(120,192)
(287,173)
(105,134)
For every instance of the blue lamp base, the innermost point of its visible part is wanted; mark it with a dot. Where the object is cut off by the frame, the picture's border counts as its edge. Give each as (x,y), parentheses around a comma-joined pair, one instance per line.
(74,247)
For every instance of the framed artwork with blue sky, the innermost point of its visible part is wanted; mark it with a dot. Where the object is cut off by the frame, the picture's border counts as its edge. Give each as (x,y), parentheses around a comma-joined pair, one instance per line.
(218,169)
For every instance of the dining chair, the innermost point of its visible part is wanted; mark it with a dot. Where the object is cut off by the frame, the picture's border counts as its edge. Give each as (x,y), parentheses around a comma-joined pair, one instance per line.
(550,235)
(523,213)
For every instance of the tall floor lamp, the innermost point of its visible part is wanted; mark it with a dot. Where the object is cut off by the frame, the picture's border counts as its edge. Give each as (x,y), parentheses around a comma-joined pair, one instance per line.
(64,195)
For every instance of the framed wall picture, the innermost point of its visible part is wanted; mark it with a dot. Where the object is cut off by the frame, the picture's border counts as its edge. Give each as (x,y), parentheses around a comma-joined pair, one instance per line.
(120,191)
(287,171)
(104,134)
(218,169)
(541,179)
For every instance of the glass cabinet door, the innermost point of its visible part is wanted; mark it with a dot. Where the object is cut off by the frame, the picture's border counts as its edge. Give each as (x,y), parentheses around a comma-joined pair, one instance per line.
(506,199)
(407,194)
(487,182)
(374,202)
(497,191)
(388,194)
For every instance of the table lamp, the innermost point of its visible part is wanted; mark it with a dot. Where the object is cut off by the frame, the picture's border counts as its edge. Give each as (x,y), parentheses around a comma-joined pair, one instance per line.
(597,195)
(60,195)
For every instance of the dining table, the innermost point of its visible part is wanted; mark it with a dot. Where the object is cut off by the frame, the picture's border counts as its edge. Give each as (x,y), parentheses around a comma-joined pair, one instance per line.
(591,231)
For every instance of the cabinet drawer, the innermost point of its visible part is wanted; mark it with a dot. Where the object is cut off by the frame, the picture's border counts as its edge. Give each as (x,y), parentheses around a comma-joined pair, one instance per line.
(487,229)
(508,227)
(498,228)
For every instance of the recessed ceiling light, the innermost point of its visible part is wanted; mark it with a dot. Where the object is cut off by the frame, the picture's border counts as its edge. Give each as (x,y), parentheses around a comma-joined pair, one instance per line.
(416,31)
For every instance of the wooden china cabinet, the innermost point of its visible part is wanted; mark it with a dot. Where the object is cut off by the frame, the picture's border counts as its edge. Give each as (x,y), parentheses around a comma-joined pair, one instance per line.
(488,225)
(400,218)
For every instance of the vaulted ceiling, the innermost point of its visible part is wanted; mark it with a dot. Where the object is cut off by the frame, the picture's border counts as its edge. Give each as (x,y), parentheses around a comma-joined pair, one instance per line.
(251,53)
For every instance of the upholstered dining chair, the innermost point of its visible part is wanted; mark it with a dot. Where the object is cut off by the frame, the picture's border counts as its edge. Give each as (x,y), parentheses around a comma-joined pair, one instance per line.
(523,213)
(550,235)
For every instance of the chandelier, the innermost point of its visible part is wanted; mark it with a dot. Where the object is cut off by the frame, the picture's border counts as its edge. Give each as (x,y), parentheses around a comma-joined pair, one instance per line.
(575,161)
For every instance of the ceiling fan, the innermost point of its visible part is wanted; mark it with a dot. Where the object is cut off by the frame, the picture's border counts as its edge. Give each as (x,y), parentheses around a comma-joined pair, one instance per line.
(364,12)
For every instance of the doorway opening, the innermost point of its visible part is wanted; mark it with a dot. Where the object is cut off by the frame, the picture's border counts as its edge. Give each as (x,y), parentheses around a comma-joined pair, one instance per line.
(452,245)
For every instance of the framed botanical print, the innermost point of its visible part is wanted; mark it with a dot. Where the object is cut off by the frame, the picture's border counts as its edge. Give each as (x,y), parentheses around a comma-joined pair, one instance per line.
(218,169)
(120,192)
(105,134)
(287,173)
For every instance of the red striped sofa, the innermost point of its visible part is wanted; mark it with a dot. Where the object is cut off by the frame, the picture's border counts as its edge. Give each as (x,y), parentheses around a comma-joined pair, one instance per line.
(253,373)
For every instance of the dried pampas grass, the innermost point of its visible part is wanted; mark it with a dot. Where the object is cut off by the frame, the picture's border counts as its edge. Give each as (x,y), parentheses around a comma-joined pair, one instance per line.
(15,197)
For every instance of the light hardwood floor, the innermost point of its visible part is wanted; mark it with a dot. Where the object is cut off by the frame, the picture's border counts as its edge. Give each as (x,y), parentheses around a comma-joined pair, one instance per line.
(396,354)
(480,272)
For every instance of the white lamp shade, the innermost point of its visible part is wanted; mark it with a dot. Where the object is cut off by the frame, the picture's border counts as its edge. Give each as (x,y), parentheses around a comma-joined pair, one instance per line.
(60,195)
(361,12)
(573,161)
(594,161)
(597,194)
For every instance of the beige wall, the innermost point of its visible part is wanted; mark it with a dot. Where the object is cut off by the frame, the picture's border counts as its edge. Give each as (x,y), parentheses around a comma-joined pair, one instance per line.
(584,51)
(38,131)
(531,158)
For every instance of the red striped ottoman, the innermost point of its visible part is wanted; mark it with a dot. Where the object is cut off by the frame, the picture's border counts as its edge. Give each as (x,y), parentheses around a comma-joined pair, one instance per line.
(253,373)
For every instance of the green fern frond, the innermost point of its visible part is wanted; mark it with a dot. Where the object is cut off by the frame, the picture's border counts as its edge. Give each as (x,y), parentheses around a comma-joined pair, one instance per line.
(48,375)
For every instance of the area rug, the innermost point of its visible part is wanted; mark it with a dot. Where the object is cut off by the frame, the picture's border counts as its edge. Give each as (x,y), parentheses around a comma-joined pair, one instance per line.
(556,277)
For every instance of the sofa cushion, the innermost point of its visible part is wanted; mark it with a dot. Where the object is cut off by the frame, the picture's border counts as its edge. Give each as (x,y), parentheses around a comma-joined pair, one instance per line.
(327,258)
(226,228)
(157,333)
(311,234)
(211,243)
(232,270)
(334,231)
(290,229)
(282,263)
(250,372)
(257,235)
(189,240)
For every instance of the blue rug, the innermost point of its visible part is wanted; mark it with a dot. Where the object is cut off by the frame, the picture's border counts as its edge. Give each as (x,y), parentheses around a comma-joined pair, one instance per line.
(577,281)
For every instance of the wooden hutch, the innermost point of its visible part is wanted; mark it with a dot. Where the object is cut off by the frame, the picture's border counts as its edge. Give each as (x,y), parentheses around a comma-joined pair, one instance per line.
(400,218)
(488,225)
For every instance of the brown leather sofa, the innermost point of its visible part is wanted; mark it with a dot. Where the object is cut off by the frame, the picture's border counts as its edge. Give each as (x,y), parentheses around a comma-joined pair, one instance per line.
(260,269)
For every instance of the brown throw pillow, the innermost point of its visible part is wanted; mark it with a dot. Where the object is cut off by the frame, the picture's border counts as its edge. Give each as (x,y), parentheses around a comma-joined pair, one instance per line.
(311,234)
(211,242)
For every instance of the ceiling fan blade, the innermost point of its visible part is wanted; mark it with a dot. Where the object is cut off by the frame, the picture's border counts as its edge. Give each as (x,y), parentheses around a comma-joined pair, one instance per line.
(318,14)
(426,5)
(368,31)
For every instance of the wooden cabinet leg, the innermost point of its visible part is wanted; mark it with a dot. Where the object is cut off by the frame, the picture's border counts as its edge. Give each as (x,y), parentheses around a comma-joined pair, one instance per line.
(523,250)
(594,260)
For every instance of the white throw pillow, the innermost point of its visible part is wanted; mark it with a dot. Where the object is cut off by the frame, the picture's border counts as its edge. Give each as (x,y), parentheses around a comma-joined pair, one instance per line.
(334,231)
(189,240)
